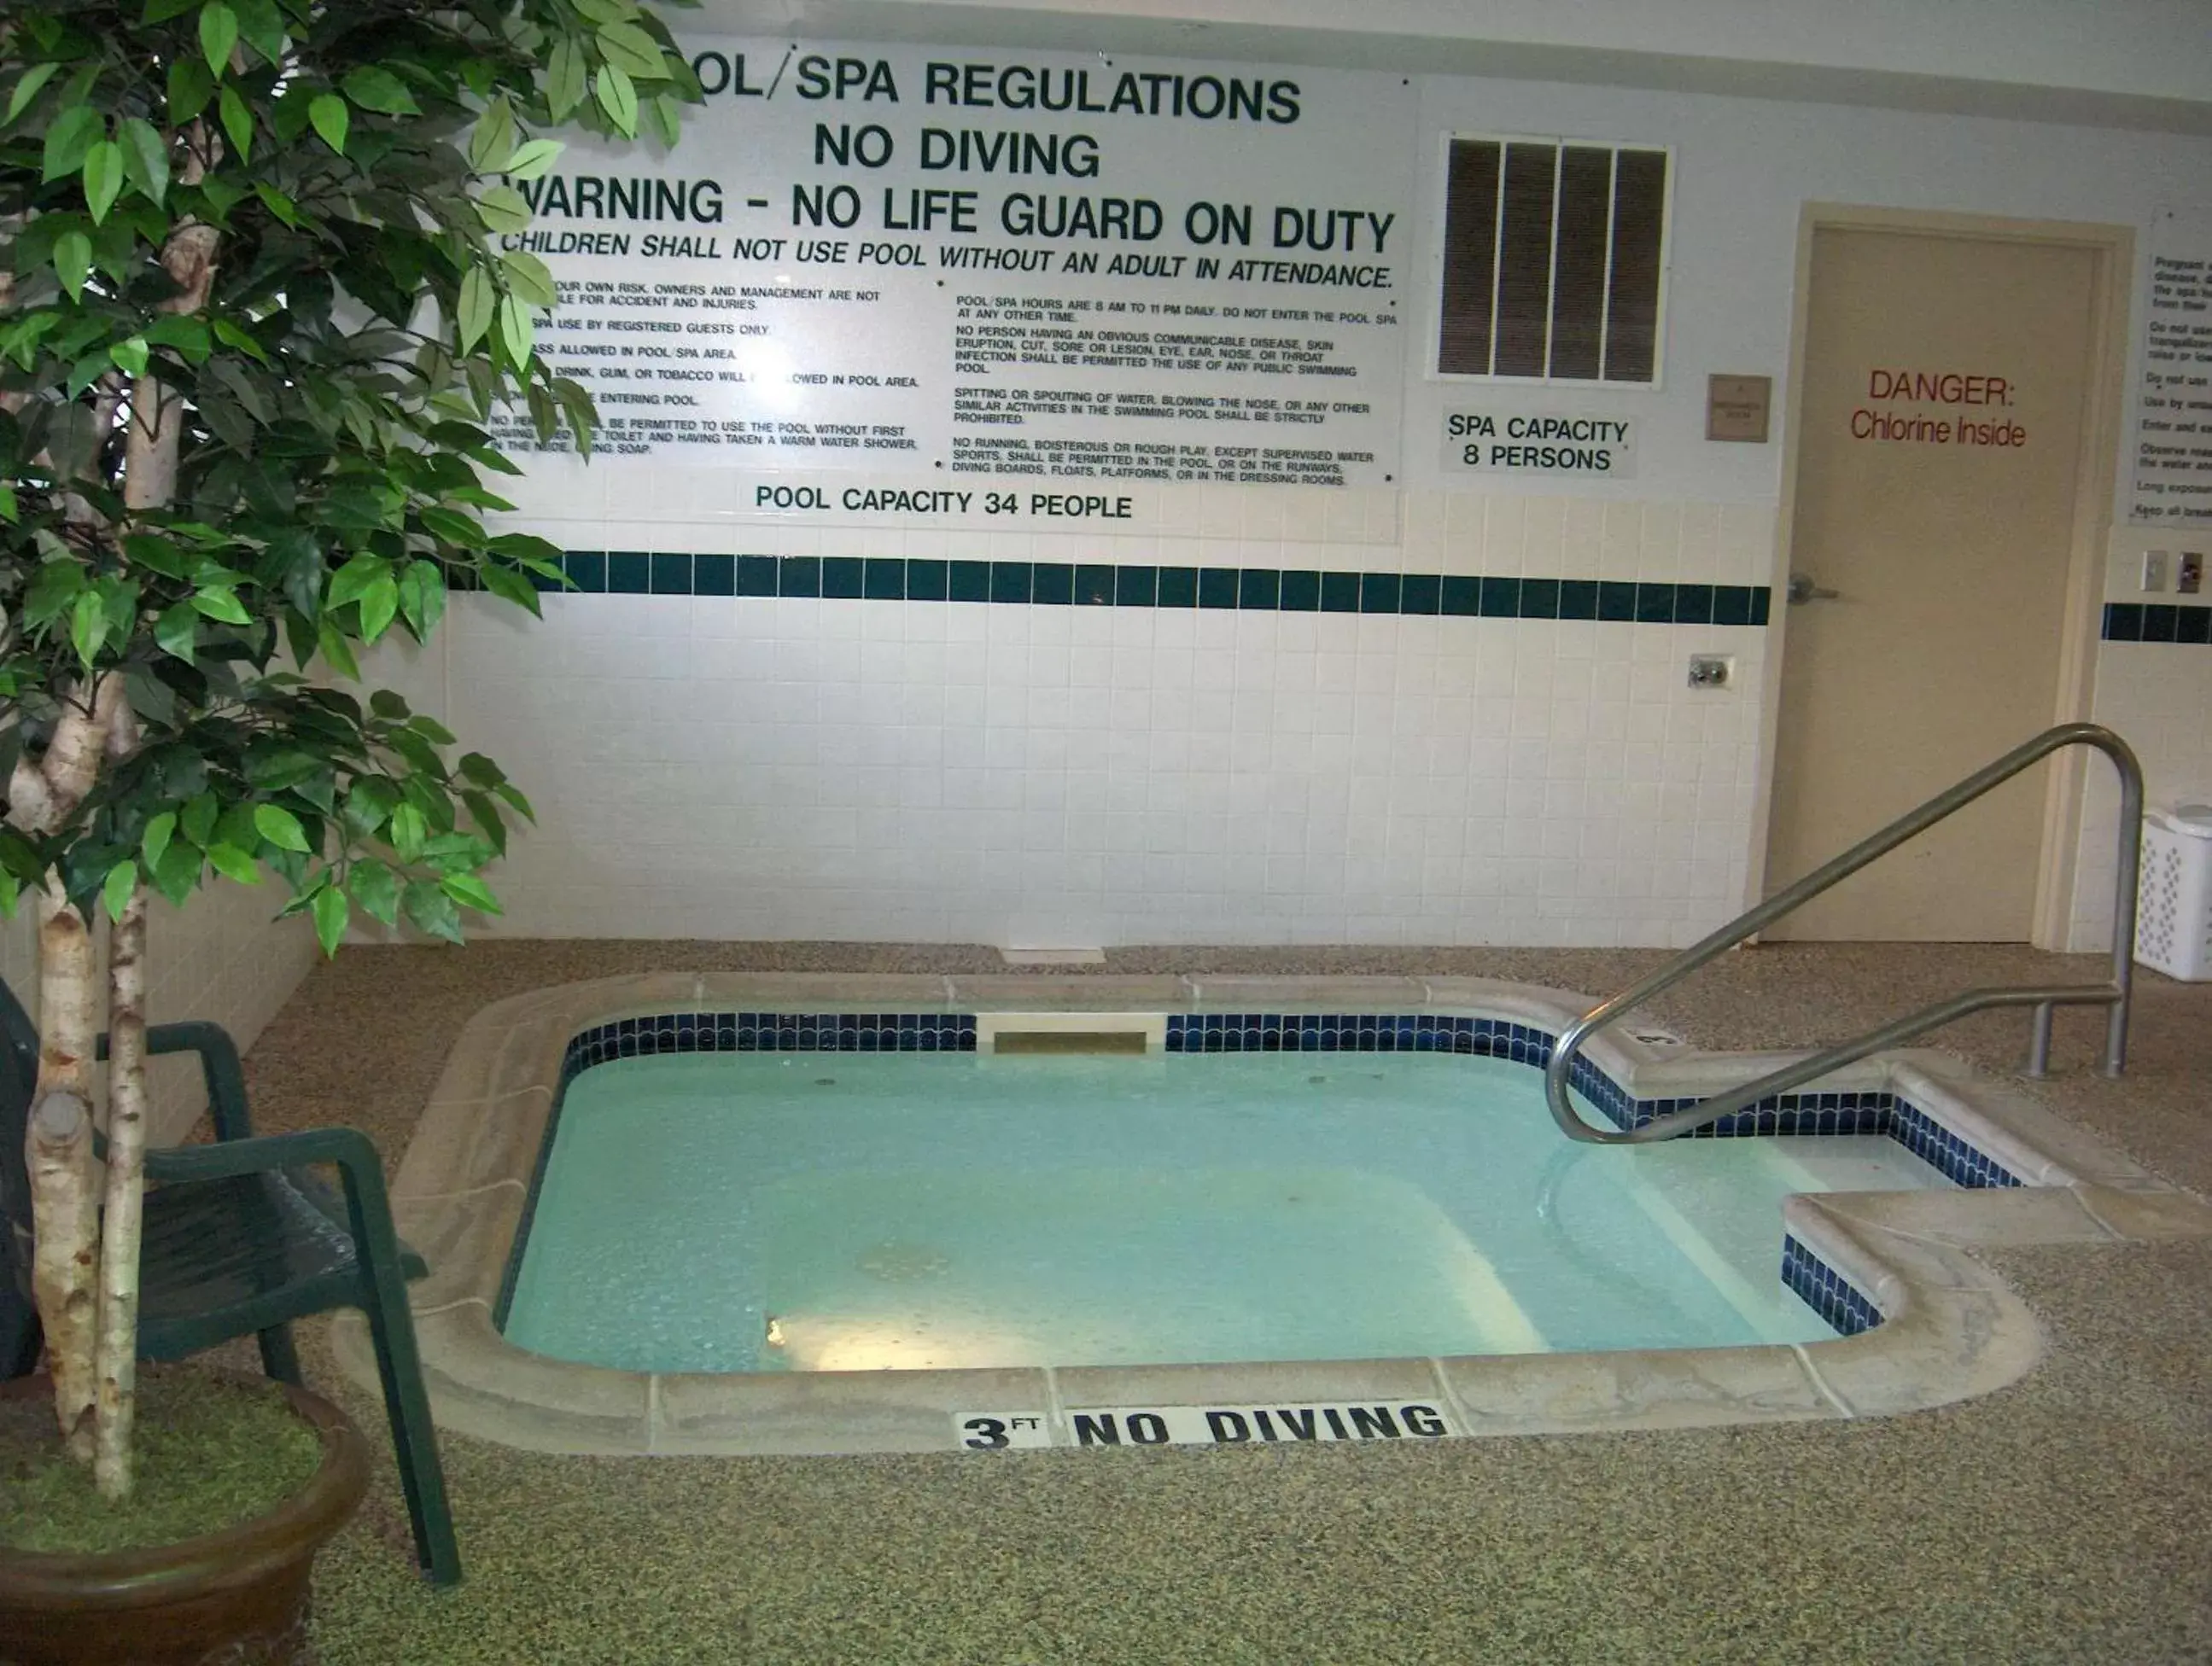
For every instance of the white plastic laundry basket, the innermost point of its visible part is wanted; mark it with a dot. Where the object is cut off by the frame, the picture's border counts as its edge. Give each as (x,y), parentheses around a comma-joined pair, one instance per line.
(2173,901)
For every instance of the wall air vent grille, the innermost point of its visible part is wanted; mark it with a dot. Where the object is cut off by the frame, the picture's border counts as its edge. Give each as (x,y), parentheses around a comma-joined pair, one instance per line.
(1555,260)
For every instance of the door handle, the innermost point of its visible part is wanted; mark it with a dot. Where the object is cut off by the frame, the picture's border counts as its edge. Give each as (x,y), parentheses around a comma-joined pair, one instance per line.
(1803,590)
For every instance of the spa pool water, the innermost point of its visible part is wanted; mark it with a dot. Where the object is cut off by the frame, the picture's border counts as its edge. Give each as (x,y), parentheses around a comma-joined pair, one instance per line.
(740,1212)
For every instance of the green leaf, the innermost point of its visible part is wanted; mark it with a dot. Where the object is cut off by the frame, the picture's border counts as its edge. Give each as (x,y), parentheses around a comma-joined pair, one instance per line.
(191,86)
(503,209)
(390,705)
(381,90)
(376,889)
(233,864)
(189,336)
(88,626)
(262,28)
(337,649)
(407,831)
(145,159)
(222,195)
(352,581)
(331,912)
(452,526)
(218,34)
(478,299)
(219,601)
(232,335)
(200,818)
(177,631)
(493,139)
(487,816)
(528,277)
(235,829)
(432,911)
(156,842)
(103,177)
(422,596)
(378,603)
(512,795)
(533,159)
(69,140)
(280,827)
(617,98)
(28,88)
(178,873)
(52,591)
(471,892)
(129,356)
(73,262)
(278,204)
(8,509)
(11,889)
(666,121)
(330,115)
(430,729)
(237,121)
(515,330)
(510,586)
(626,47)
(564,79)
(367,801)
(122,881)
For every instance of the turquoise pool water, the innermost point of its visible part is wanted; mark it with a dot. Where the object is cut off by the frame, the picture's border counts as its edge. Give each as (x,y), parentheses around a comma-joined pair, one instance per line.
(742,1212)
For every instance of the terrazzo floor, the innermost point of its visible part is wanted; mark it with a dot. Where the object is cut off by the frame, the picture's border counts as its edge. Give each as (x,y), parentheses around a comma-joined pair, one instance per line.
(2068,1518)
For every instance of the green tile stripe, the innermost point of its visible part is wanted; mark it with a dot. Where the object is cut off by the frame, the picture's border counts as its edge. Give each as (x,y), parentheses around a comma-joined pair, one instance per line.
(2157,622)
(1060,584)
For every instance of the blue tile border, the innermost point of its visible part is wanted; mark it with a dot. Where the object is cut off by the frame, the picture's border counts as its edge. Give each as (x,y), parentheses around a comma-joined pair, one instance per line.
(1826,1290)
(1250,589)
(1876,1113)
(769,1032)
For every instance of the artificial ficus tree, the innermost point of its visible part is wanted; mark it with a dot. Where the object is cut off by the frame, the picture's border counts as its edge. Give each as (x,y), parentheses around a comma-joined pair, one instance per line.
(255,323)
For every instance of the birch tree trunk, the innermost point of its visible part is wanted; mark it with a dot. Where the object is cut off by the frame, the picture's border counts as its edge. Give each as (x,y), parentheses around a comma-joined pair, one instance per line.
(116,1363)
(58,1148)
(58,1155)
(150,482)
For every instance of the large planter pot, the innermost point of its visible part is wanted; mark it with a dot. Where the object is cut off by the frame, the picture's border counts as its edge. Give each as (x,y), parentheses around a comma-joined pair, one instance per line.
(238,1597)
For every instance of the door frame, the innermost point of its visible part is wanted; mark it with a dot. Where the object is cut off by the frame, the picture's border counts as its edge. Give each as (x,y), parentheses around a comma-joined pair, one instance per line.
(2096,477)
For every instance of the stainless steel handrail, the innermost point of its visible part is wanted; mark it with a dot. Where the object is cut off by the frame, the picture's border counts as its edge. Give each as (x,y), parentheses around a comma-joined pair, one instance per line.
(2042,997)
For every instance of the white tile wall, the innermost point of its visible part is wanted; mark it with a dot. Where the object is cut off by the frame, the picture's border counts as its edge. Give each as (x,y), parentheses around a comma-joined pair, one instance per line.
(2158,695)
(1060,776)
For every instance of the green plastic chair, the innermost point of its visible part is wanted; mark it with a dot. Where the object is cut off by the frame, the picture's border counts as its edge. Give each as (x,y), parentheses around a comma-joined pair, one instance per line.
(240,1237)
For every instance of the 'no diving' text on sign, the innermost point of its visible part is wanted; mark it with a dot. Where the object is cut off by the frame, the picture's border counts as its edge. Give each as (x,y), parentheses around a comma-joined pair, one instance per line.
(1206,1425)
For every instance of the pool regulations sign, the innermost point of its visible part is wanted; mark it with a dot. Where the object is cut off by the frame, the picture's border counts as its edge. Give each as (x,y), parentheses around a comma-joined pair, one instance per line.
(954,261)
(1206,1425)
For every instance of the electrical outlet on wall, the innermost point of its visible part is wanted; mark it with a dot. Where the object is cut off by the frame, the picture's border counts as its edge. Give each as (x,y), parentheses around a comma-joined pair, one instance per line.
(2153,570)
(1712,670)
(2189,573)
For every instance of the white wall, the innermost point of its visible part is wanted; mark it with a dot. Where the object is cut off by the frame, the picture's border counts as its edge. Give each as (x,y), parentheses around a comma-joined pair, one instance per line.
(222,958)
(1068,776)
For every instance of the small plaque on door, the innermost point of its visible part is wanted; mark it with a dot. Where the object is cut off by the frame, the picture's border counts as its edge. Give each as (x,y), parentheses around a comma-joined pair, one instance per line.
(1735,408)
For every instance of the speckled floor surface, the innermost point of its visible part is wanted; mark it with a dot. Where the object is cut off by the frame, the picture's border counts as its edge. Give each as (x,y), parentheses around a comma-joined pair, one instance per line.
(2068,1518)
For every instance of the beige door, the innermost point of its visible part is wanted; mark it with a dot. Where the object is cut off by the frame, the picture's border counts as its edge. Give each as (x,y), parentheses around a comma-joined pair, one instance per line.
(1941,426)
